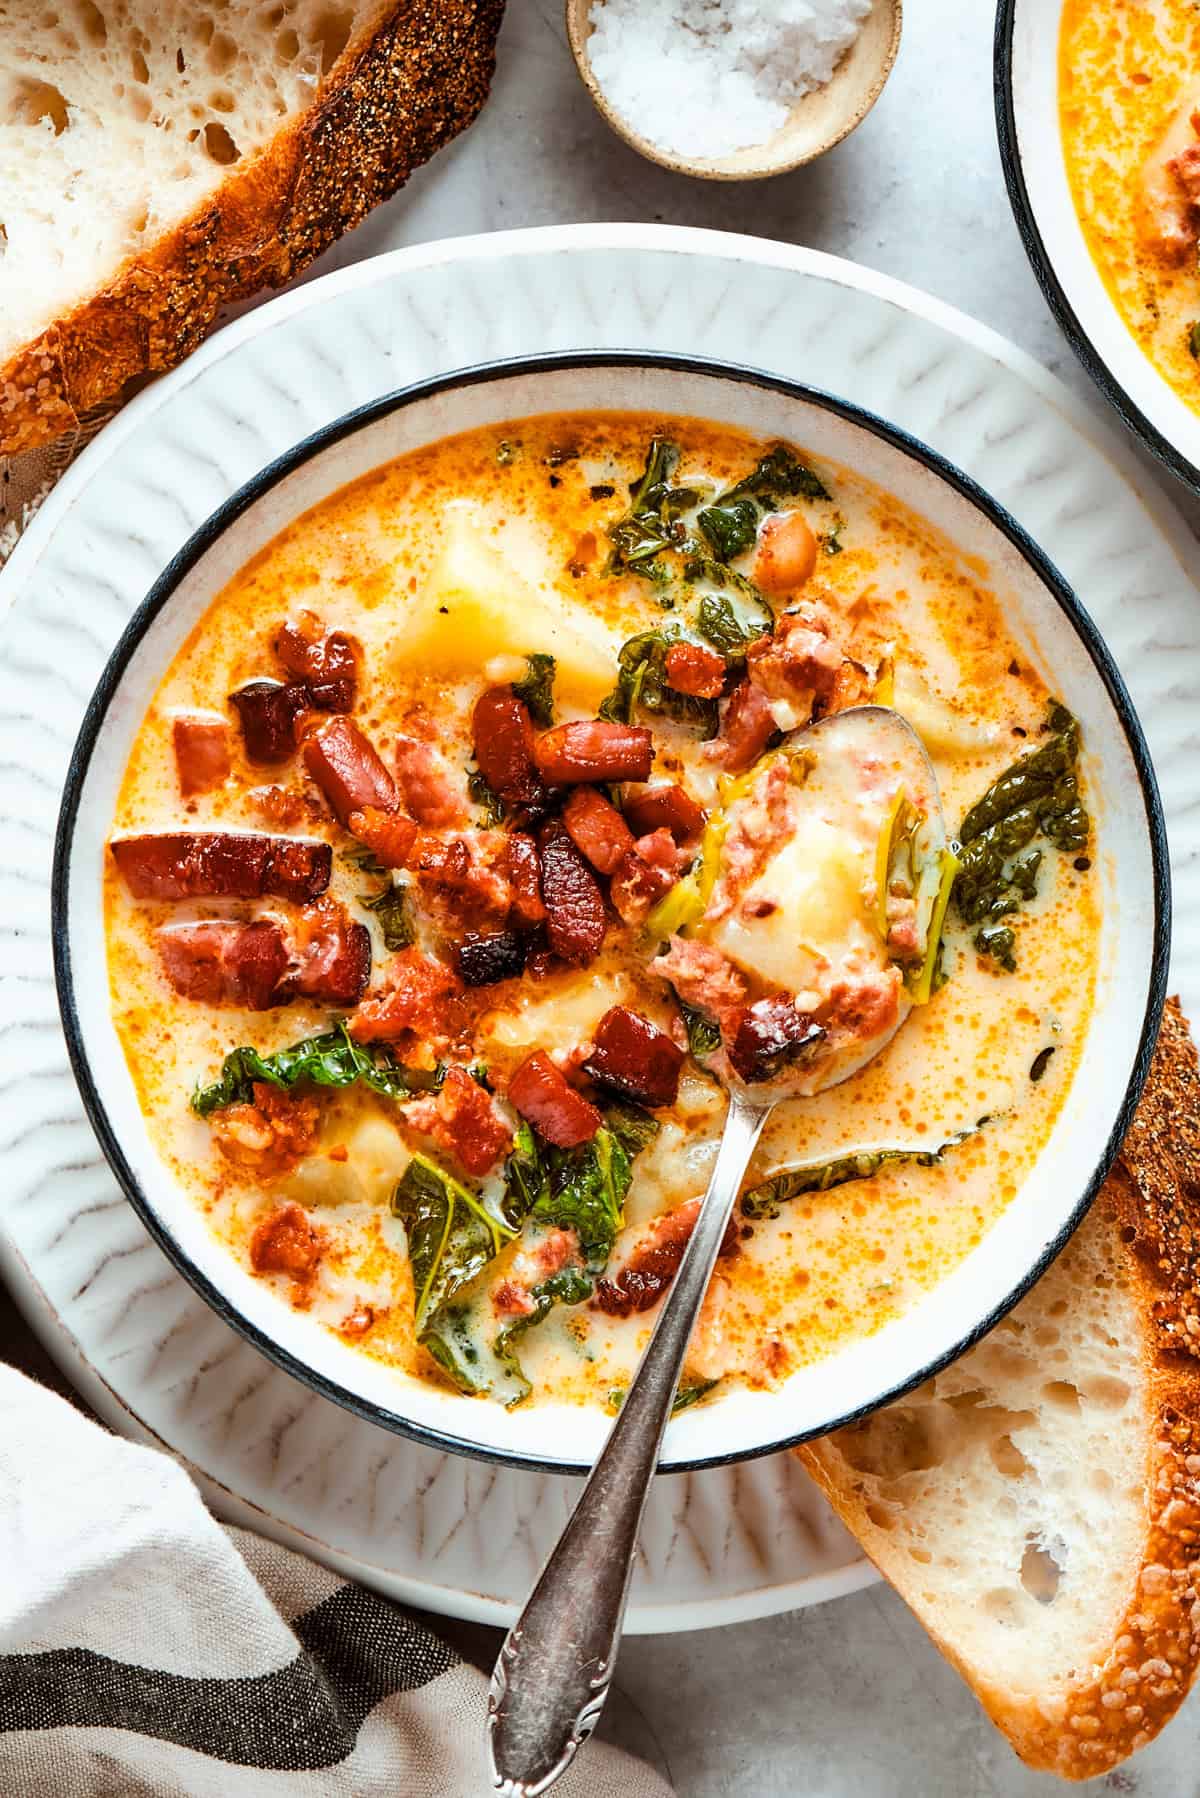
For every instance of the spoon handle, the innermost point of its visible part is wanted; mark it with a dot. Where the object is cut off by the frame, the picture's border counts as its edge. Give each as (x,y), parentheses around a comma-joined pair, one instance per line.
(556,1665)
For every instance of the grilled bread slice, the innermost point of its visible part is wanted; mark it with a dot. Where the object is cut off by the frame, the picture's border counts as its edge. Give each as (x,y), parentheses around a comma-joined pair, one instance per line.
(1038,1503)
(162,158)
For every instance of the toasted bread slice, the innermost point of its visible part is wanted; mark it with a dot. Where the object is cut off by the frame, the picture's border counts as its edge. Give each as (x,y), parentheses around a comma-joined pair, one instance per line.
(1038,1503)
(161,158)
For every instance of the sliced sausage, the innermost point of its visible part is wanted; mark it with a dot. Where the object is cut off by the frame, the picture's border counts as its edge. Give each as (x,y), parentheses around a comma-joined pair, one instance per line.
(482,959)
(426,786)
(597,829)
(331,955)
(267,712)
(575,919)
(524,869)
(654,1262)
(388,835)
(634,1057)
(468,1123)
(690,668)
(327,663)
(267,1139)
(543,1095)
(594,749)
(201,753)
(216,864)
(665,807)
(646,875)
(347,767)
(747,727)
(768,1034)
(220,963)
(503,738)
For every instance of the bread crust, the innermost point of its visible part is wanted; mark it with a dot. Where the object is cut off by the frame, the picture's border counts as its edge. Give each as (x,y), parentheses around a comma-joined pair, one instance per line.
(1151,1206)
(397,94)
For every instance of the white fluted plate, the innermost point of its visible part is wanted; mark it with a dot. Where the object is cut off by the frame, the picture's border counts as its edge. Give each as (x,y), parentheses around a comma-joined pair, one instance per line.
(720,1545)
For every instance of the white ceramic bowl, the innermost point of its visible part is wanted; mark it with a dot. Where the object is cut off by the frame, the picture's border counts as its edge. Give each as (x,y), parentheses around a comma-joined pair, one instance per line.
(1026,71)
(1055,633)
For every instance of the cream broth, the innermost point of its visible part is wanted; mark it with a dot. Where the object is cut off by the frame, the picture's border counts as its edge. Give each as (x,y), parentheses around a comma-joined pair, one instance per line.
(447,569)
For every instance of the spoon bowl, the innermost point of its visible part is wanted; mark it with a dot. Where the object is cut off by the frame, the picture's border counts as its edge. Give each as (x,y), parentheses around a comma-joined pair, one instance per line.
(816,123)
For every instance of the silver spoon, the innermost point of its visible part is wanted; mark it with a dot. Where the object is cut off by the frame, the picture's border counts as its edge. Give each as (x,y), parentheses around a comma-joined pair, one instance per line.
(552,1678)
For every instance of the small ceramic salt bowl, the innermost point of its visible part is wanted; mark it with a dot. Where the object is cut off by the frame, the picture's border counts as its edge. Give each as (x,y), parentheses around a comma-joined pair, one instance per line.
(816,123)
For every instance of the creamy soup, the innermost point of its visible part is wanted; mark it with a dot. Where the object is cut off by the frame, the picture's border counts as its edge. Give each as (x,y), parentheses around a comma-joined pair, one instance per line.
(478,833)
(1129,91)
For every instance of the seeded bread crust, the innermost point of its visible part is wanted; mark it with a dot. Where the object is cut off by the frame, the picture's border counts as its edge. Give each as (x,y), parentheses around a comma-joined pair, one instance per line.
(1150,1205)
(392,99)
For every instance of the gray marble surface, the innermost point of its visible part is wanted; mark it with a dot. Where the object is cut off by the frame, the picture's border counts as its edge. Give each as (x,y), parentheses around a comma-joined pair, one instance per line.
(849,1700)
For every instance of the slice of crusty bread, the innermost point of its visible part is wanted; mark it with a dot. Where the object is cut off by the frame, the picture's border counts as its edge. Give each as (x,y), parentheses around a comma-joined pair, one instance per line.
(1038,1503)
(160,158)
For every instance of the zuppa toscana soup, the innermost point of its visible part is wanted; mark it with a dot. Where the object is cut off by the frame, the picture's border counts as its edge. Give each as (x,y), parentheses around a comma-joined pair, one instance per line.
(524,794)
(1129,107)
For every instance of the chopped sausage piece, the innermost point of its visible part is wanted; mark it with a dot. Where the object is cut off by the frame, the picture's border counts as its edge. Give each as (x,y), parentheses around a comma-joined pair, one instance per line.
(543,1095)
(464,878)
(503,737)
(288,1242)
(284,805)
(533,1264)
(326,663)
(346,766)
(704,978)
(594,749)
(597,829)
(648,872)
(524,869)
(222,963)
(747,727)
(465,1119)
(267,712)
(632,1055)
(426,785)
(691,668)
(482,960)
(269,1137)
(665,807)
(201,753)
(768,1034)
(421,997)
(388,835)
(654,1262)
(786,553)
(332,955)
(800,660)
(217,864)
(575,919)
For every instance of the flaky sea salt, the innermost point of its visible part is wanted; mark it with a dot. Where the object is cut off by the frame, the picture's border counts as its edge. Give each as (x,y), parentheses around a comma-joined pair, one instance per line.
(702,78)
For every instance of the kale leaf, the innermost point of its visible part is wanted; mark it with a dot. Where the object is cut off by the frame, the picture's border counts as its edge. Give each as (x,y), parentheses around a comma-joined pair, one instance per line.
(484,795)
(779,475)
(451,1234)
(536,688)
(395,920)
(765,1199)
(642,685)
(651,524)
(703,1032)
(331,1059)
(731,527)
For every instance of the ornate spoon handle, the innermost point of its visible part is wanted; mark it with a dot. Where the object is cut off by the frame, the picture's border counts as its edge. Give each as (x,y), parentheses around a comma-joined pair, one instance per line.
(556,1665)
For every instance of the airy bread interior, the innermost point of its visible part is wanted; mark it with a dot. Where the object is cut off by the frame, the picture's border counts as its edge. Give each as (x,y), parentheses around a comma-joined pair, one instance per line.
(119,117)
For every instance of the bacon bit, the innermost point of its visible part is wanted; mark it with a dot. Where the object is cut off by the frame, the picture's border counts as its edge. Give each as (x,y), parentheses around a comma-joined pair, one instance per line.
(852,685)
(388,835)
(268,712)
(786,553)
(426,785)
(861,1008)
(469,1124)
(524,870)
(633,1056)
(690,668)
(339,1152)
(332,955)
(665,807)
(575,918)
(464,878)
(358,1321)
(204,864)
(747,727)
(421,997)
(511,1300)
(645,874)
(800,661)
(201,753)
(597,829)
(283,805)
(483,959)
(327,664)
(288,1242)
(762,822)
(703,978)
(768,1034)
(347,767)
(219,963)
(594,749)
(551,1104)
(503,736)
(654,1262)
(269,1137)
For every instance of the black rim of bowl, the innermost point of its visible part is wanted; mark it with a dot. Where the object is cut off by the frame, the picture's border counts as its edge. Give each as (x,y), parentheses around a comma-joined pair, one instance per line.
(161,594)
(1043,267)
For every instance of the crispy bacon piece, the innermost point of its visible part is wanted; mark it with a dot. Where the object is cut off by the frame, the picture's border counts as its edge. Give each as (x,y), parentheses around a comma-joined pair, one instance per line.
(267,1139)
(575,919)
(331,955)
(704,978)
(483,959)
(633,1056)
(503,737)
(218,864)
(597,829)
(327,663)
(523,866)
(388,835)
(346,766)
(467,1122)
(690,668)
(288,1242)
(551,1104)
(464,878)
(800,660)
(267,712)
(594,749)
(421,997)
(201,753)
(648,872)
(426,785)
(222,963)
(664,807)
(768,1034)
(283,805)
(532,1265)
(747,727)
(654,1262)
